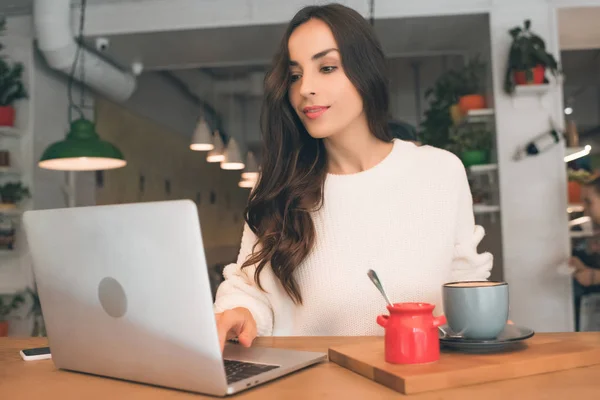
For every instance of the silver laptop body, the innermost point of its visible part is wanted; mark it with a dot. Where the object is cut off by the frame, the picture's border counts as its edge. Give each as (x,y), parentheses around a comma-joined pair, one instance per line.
(125,293)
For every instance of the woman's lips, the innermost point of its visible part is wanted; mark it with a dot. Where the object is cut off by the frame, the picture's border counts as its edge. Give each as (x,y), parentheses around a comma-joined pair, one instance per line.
(314,112)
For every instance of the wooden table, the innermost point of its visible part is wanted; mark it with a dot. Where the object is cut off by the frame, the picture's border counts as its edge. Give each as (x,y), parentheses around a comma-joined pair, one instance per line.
(41,380)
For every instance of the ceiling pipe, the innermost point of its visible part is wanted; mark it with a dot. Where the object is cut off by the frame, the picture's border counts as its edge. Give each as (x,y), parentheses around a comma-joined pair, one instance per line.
(55,38)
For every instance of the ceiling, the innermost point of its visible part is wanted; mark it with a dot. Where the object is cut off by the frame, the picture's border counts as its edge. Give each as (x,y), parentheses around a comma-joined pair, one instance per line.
(578,28)
(18,7)
(255,45)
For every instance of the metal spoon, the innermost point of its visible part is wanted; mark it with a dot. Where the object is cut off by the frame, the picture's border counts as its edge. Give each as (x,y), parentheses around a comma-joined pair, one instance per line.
(375,279)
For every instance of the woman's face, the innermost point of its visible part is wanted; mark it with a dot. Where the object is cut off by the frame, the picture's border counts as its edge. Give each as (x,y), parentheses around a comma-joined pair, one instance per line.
(319,90)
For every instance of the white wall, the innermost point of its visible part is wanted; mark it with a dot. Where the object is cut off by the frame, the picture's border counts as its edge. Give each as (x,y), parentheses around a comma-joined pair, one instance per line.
(532,191)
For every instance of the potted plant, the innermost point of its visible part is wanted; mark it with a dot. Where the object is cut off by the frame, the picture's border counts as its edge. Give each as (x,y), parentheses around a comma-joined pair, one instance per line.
(472,145)
(12,193)
(7,306)
(443,110)
(470,85)
(576,179)
(528,59)
(453,94)
(12,88)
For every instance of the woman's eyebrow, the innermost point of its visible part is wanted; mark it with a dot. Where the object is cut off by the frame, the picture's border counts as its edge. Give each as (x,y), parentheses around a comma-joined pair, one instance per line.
(320,54)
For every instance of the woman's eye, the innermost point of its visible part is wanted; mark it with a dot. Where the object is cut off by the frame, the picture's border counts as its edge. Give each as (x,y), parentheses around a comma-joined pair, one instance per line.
(328,70)
(294,77)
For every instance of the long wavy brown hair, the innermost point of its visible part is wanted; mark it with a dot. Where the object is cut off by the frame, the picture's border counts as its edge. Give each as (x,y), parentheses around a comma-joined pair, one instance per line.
(294,164)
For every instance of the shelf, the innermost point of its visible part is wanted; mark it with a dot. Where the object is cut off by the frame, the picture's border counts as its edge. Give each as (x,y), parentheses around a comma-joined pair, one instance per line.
(479,116)
(579,221)
(532,90)
(9,171)
(573,153)
(485,208)
(580,234)
(16,212)
(571,208)
(483,168)
(9,131)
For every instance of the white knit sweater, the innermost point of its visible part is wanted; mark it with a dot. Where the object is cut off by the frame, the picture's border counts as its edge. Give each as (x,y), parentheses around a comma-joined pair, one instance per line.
(410,218)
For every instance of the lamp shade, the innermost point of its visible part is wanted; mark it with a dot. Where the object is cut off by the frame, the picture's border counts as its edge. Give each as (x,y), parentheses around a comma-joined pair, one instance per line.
(202,139)
(233,157)
(251,170)
(247,183)
(82,150)
(216,154)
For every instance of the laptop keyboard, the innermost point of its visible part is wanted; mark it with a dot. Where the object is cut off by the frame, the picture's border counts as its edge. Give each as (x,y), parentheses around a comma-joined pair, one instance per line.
(239,370)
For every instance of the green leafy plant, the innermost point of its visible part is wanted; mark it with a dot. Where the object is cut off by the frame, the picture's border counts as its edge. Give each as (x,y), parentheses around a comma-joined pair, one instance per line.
(11,77)
(9,305)
(469,138)
(581,176)
(435,128)
(471,77)
(527,51)
(11,84)
(13,192)
(446,91)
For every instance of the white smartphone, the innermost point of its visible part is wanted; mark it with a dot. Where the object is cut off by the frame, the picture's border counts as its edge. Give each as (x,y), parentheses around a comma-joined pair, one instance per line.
(38,353)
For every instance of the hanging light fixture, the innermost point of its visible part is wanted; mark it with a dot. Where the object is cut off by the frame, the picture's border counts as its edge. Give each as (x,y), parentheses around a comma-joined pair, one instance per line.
(251,170)
(202,139)
(216,154)
(233,158)
(247,183)
(82,150)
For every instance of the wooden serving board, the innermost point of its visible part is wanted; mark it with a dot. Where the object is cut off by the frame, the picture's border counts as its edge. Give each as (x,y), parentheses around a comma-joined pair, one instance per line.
(545,352)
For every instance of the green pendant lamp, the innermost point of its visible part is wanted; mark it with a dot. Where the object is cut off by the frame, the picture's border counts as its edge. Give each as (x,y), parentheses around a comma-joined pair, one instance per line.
(82,150)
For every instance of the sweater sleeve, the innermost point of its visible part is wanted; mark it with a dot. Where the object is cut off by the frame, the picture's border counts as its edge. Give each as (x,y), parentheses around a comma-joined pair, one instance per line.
(240,290)
(467,263)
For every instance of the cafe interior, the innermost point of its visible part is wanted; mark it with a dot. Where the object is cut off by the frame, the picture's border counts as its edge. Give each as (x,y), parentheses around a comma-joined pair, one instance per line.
(177,91)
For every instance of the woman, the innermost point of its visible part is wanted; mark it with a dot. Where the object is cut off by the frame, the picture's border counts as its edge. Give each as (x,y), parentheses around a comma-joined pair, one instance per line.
(586,261)
(338,196)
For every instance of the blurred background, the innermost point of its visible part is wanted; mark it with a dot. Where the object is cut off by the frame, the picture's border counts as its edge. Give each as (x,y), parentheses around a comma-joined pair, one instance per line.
(511,87)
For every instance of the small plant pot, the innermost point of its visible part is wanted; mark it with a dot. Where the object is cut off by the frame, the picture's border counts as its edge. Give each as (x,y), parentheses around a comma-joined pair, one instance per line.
(3,328)
(475,157)
(574,190)
(536,78)
(471,102)
(7,116)
(7,206)
(456,114)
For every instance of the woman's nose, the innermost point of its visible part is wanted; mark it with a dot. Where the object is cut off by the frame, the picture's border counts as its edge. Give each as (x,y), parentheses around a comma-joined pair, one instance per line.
(307,88)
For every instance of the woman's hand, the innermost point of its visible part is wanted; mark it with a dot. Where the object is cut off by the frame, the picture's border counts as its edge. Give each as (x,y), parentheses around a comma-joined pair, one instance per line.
(237,322)
(585,275)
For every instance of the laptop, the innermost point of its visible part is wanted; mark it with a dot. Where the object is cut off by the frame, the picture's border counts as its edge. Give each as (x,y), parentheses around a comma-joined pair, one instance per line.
(125,293)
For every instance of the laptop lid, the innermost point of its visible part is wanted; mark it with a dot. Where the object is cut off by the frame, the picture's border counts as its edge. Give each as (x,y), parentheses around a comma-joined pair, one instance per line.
(125,293)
